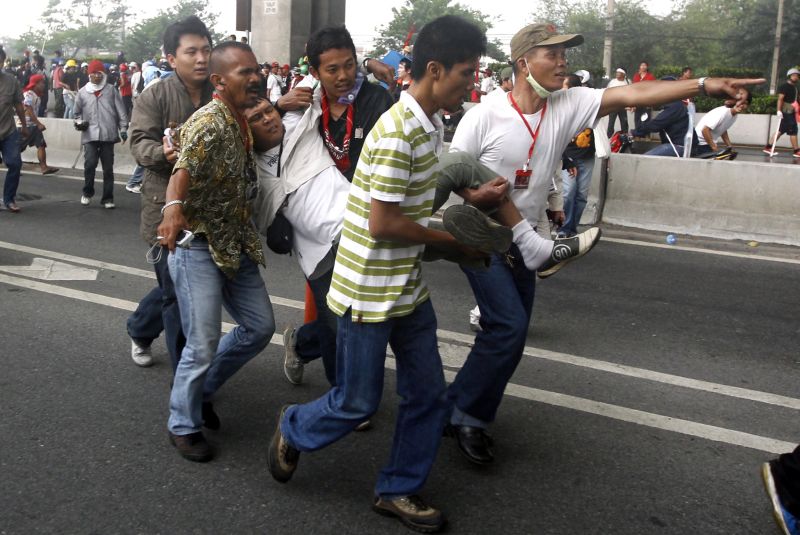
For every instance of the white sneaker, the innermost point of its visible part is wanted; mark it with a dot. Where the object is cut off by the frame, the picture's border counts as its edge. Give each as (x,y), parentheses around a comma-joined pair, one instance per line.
(142,356)
(136,188)
(85,200)
(475,320)
(292,365)
(109,205)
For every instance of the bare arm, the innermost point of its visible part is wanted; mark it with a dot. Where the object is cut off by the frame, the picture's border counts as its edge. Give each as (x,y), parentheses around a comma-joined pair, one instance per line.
(707,135)
(173,220)
(726,139)
(388,222)
(780,102)
(21,114)
(660,92)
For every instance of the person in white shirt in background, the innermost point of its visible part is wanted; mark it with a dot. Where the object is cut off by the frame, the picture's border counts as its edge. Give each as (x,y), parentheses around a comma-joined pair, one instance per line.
(273,84)
(506,85)
(620,79)
(487,84)
(715,125)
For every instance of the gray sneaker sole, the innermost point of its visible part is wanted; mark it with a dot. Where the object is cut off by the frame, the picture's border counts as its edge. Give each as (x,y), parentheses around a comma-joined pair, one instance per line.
(475,229)
(294,374)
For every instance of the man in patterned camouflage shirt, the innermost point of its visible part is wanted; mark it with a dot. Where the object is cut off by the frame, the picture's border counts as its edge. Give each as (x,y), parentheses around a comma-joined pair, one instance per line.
(210,194)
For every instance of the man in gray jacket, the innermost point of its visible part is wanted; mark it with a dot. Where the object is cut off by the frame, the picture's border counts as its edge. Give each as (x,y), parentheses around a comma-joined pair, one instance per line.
(100,115)
(166,104)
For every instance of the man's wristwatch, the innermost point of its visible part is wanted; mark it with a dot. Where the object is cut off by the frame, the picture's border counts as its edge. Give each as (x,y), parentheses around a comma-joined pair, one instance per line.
(364,63)
(701,85)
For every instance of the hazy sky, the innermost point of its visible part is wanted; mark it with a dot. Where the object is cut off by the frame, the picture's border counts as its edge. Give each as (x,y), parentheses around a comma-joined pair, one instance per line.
(362,16)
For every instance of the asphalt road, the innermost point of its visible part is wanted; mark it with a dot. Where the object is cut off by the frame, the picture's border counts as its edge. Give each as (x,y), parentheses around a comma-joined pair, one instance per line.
(655,381)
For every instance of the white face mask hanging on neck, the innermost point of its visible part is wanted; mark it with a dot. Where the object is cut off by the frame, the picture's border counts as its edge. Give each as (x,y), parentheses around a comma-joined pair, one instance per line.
(541,91)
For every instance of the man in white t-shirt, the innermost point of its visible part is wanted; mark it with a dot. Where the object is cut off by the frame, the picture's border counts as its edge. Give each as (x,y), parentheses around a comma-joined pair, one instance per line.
(715,125)
(620,79)
(273,84)
(487,84)
(522,138)
(506,85)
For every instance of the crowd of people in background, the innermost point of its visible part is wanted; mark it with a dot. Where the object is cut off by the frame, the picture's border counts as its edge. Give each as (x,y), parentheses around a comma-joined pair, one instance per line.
(228,148)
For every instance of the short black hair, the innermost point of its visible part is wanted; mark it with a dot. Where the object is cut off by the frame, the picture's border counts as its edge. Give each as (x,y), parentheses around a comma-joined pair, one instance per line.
(573,80)
(449,40)
(220,51)
(327,39)
(685,70)
(189,26)
(406,63)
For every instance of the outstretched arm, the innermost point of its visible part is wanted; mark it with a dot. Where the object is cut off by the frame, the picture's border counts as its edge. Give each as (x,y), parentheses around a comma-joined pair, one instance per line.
(659,92)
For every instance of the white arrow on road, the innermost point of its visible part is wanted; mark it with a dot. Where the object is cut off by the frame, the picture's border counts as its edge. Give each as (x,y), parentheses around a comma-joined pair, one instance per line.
(50,270)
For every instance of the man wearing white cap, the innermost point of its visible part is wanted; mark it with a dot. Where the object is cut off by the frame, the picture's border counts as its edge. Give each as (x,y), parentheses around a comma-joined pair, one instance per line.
(522,138)
(619,80)
(788,105)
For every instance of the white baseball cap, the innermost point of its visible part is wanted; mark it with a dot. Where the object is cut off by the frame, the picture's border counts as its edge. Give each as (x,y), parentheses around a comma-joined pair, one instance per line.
(792,71)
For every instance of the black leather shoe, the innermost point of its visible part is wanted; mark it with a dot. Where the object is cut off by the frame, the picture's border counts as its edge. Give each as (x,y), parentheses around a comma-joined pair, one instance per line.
(473,442)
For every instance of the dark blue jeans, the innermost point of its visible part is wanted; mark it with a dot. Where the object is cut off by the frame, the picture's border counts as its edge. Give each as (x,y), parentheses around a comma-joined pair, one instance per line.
(318,338)
(360,360)
(9,147)
(505,296)
(158,311)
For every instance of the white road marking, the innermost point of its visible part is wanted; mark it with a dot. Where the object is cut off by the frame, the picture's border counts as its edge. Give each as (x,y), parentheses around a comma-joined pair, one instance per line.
(50,270)
(701,251)
(454,358)
(641,373)
(80,260)
(657,421)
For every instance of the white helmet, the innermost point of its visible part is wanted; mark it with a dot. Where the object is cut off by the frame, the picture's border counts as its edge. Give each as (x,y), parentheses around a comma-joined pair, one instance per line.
(583,75)
(793,70)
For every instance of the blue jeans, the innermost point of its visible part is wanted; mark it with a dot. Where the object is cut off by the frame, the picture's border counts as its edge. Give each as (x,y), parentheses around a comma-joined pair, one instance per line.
(318,338)
(9,147)
(69,104)
(665,150)
(575,191)
(159,311)
(505,296)
(360,360)
(207,360)
(136,177)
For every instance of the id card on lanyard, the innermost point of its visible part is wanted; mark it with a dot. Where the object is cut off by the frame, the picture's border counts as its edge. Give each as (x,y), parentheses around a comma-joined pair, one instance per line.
(522,177)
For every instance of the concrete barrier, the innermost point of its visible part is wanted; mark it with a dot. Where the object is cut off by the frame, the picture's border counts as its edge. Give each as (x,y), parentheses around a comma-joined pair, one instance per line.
(718,199)
(64,148)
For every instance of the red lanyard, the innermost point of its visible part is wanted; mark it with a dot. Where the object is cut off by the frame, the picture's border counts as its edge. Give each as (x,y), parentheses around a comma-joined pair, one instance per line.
(244,130)
(535,134)
(340,155)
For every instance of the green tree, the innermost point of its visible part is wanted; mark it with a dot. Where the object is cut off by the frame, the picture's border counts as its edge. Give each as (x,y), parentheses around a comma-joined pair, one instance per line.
(414,14)
(146,38)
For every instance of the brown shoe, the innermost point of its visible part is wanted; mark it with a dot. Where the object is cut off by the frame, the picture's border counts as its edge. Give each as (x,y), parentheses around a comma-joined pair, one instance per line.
(282,457)
(192,446)
(412,512)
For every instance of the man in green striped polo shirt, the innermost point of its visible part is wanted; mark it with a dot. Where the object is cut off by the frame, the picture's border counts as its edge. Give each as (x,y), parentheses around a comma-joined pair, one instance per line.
(377,290)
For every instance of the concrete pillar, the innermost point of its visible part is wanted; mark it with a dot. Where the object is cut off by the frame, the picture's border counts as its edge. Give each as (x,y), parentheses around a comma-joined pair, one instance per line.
(280,28)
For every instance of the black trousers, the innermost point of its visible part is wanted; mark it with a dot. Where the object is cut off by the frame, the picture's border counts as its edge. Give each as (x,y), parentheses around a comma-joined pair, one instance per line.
(103,152)
(612,120)
(786,471)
